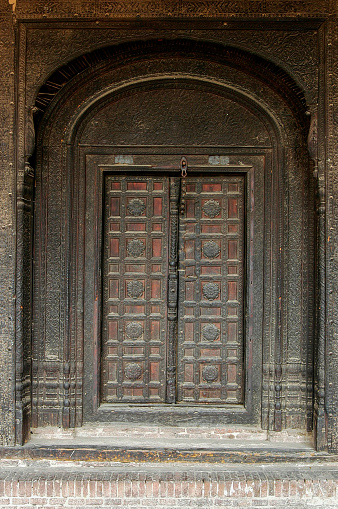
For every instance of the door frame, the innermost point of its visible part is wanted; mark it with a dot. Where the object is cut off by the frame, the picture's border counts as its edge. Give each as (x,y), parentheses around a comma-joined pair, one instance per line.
(95,166)
(287,321)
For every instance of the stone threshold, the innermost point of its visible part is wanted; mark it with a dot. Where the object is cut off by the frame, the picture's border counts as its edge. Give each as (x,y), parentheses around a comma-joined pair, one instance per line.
(167,444)
(125,454)
(96,433)
(50,469)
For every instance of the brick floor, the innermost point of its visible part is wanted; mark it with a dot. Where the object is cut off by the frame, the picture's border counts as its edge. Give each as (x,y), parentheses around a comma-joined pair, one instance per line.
(56,484)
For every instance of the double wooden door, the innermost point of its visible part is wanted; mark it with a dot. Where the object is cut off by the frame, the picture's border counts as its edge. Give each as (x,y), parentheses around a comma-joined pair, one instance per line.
(173,280)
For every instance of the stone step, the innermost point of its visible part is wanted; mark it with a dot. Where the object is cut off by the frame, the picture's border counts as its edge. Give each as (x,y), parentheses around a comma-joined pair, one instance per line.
(77,484)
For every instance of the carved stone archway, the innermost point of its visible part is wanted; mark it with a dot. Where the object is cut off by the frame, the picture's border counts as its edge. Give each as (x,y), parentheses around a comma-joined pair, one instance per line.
(139,108)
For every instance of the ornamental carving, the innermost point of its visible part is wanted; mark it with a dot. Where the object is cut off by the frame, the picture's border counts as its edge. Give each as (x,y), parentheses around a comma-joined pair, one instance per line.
(210,373)
(192,9)
(210,332)
(136,207)
(212,208)
(211,249)
(133,371)
(134,330)
(211,291)
(135,248)
(135,289)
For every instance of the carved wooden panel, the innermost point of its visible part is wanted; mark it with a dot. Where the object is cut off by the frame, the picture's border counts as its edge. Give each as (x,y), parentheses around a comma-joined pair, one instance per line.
(135,289)
(207,341)
(207,344)
(210,323)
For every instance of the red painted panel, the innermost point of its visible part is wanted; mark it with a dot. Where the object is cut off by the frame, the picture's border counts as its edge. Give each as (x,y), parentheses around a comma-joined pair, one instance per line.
(211,228)
(232,250)
(189,331)
(136,227)
(232,332)
(157,210)
(154,372)
(232,208)
(154,330)
(156,289)
(112,329)
(189,290)
(114,206)
(189,373)
(114,248)
(232,290)
(137,186)
(114,288)
(212,188)
(157,248)
(114,227)
(190,208)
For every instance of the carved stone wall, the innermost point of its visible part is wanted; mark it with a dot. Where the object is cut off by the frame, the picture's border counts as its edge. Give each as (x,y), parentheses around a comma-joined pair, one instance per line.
(281,47)
(171,8)
(7,226)
(300,37)
(330,347)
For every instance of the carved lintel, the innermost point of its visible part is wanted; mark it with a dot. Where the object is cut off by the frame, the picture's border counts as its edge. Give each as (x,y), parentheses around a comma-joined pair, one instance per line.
(26,9)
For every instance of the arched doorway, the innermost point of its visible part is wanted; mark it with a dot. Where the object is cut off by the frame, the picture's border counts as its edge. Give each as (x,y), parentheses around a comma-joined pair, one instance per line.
(165,297)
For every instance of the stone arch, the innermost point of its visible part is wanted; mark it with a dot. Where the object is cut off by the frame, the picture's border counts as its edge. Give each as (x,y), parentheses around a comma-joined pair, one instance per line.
(104,81)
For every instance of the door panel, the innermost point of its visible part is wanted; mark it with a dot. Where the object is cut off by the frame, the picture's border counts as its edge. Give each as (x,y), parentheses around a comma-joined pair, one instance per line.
(210,308)
(152,337)
(134,289)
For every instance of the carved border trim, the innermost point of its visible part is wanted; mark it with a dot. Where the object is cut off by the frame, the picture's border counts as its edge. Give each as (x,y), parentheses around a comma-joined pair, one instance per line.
(263,70)
(42,9)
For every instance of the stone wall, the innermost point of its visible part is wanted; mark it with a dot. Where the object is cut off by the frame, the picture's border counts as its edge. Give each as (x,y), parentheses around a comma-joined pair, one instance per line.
(47,483)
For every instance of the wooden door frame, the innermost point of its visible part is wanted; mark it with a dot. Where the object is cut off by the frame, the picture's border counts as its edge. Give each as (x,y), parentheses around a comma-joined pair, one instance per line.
(95,166)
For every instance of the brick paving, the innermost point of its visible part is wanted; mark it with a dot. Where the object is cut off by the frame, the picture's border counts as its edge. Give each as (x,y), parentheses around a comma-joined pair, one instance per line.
(54,485)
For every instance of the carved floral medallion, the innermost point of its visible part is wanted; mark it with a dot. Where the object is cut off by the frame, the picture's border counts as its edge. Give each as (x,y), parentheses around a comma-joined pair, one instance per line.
(210,373)
(134,330)
(211,291)
(136,207)
(212,208)
(135,247)
(210,332)
(135,289)
(211,249)
(133,371)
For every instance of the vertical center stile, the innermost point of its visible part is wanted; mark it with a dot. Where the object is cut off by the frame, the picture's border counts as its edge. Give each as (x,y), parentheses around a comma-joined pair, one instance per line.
(174,198)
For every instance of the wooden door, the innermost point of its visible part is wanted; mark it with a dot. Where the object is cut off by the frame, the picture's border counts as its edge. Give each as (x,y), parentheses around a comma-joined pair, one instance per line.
(210,305)
(135,278)
(173,274)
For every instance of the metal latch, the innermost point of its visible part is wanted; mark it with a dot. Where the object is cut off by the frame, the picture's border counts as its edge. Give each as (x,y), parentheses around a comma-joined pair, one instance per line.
(184,167)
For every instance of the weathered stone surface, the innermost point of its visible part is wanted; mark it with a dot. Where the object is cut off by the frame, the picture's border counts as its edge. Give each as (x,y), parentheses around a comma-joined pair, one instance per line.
(7,225)
(170,8)
(297,50)
(331,349)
